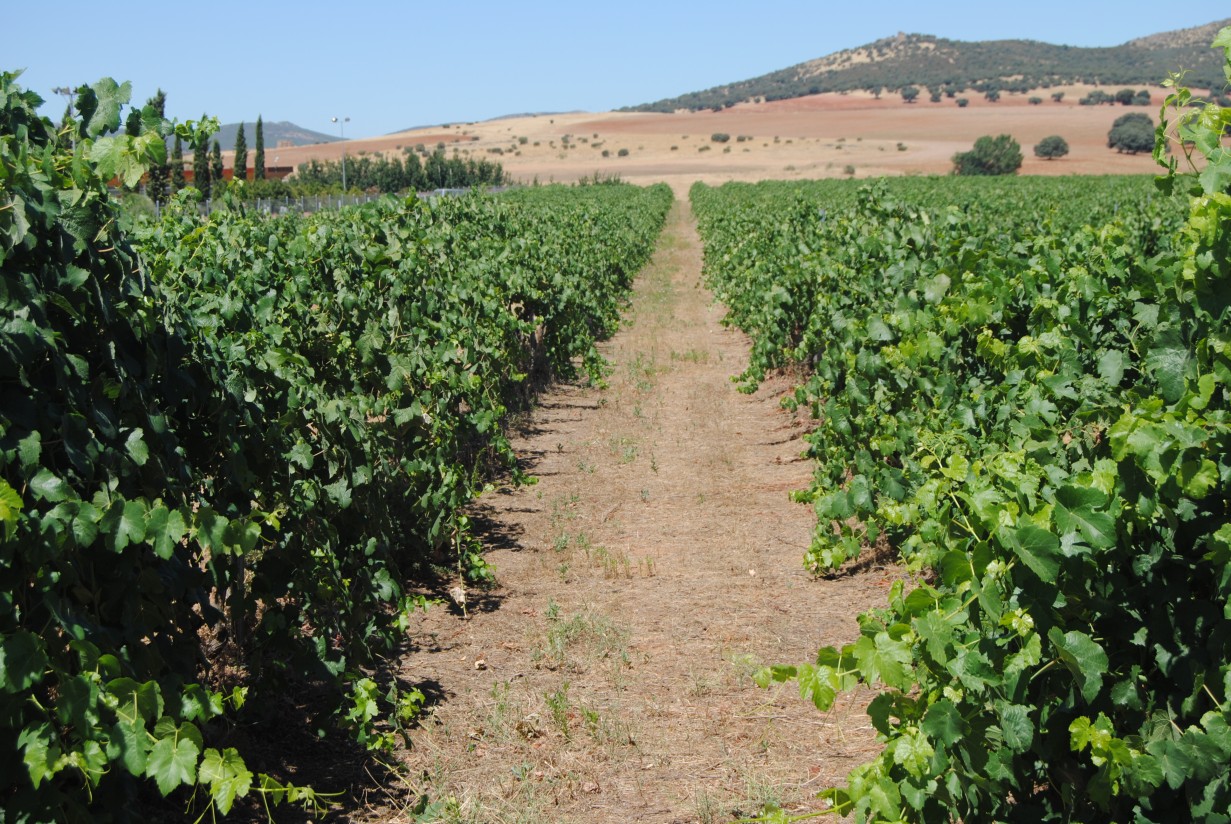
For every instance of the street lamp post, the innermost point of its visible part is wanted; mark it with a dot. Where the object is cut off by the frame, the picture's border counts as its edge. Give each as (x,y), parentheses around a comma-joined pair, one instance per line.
(342,121)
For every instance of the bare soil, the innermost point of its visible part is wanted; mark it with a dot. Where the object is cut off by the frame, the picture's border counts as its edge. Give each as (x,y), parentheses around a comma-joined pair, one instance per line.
(653,567)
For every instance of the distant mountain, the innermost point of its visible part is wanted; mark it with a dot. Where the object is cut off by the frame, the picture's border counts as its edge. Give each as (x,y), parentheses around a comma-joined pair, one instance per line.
(281,131)
(423,126)
(1007,65)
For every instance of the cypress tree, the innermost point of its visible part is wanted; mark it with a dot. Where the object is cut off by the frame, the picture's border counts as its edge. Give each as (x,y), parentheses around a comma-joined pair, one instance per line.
(239,166)
(177,165)
(215,168)
(259,161)
(200,166)
(160,173)
(64,132)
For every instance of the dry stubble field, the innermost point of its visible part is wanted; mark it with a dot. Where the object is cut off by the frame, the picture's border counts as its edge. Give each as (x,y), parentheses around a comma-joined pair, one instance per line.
(813,137)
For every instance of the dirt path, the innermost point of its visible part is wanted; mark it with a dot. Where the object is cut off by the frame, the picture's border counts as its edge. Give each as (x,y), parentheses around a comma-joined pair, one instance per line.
(652,568)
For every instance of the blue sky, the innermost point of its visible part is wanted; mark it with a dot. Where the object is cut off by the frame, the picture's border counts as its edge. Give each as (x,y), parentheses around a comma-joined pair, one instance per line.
(389,65)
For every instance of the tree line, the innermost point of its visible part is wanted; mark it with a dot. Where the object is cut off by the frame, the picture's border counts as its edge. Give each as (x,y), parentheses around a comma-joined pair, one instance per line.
(419,170)
(167,177)
(434,170)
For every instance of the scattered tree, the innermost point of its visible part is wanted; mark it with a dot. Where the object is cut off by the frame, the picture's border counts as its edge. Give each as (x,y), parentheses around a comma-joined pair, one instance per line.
(1034,101)
(992,95)
(1097,98)
(935,97)
(239,166)
(258,172)
(1049,148)
(962,102)
(720,137)
(1057,96)
(1001,155)
(1132,133)
(1142,98)
(910,94)
(1125,97)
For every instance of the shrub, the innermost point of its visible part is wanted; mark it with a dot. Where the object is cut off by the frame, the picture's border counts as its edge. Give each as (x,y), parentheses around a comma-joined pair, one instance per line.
(622,153)
(962,102)
(720,137)
(1034,101)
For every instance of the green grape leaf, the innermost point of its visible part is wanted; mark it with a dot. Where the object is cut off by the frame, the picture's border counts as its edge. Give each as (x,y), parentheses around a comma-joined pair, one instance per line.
(1197,478)
(130,745)
(1016,725)
(1083,657)
(41,753)
(48,487)
(172,760)
(1039,550)
(227,776)
(10,510)
(22,661)
(103,113)
(944,723)
(1076,511)
(1168,363)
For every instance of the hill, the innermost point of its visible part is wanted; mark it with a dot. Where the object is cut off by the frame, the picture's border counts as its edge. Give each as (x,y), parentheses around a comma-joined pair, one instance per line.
(278,132)
(951,66)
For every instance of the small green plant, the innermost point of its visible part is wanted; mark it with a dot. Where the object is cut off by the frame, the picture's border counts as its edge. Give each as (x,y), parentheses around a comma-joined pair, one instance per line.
(558,704)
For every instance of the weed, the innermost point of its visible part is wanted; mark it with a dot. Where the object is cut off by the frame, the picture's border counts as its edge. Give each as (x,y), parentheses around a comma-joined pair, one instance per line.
(708,810)
(558,704)
(583,638)
(692,356)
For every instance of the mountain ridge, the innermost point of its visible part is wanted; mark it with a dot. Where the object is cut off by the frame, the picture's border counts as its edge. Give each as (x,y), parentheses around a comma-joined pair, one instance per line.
(275,132)
(939,64)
